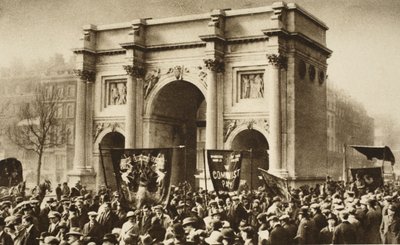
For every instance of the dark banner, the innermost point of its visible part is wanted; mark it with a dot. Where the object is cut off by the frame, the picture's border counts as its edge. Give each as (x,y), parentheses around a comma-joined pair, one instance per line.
(370,177)
(275,185)
(225,167)
(10,172)
(143,175)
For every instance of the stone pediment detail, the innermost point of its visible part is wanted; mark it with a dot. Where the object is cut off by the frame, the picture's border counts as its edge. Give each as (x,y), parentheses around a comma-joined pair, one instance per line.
(100,126)
(232,124)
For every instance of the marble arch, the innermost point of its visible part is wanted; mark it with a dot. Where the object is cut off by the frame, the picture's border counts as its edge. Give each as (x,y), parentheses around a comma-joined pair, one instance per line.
(246,63)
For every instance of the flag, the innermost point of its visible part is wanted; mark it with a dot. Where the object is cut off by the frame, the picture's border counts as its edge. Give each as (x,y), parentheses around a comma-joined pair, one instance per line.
(143,175)
(225,167)
(275,185)
(372,177)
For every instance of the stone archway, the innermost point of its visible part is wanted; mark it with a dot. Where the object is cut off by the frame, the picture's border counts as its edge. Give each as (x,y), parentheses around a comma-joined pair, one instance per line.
(173,120)
(111,139)
(255,140)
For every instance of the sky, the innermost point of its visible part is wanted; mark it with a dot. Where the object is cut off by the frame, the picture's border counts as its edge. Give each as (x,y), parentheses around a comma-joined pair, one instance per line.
(364,35)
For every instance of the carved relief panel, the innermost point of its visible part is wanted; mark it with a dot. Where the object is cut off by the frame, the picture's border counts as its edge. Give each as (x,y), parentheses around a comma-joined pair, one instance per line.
(251,84)
(115,92)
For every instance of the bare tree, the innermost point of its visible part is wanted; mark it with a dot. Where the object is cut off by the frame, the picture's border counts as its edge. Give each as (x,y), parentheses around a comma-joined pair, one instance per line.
(36,123)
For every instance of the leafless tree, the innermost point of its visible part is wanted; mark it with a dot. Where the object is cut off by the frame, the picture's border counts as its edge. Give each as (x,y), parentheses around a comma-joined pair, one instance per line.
(36,123)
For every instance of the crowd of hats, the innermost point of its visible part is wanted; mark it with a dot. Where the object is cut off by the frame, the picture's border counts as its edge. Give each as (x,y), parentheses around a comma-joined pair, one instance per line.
(199,217)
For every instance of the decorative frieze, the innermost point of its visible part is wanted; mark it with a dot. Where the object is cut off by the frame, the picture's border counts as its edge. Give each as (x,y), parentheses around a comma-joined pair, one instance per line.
(85,75)
(232,124)
(101,126)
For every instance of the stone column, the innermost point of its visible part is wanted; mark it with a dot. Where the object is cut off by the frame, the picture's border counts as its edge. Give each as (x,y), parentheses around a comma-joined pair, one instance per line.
(213,66)
(275,141)
(79,163)
(133,72)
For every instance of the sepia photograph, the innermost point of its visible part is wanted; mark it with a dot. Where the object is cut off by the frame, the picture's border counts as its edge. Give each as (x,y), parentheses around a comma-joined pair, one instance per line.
(199,122)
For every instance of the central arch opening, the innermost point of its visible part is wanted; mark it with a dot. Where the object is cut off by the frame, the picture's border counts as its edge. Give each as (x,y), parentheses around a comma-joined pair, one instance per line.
(178,118)
(252,139)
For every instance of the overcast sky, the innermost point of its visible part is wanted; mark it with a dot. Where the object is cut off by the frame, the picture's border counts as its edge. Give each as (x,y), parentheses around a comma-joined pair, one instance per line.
(364,35)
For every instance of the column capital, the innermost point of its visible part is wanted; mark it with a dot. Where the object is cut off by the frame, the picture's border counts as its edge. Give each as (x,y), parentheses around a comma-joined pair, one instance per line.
(134,70)
(215,65)
(85,75)
(278,61)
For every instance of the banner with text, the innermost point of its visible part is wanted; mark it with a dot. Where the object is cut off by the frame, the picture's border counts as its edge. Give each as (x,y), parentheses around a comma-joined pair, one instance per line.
(224,169)
(275,185)
(143,175)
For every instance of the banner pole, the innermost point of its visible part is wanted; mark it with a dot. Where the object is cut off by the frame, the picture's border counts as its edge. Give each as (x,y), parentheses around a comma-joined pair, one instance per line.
(251,170)
(205,176)
(185,175)
(102,165)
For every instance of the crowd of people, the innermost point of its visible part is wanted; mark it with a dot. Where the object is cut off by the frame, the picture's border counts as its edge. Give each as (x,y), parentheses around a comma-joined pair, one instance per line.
(323,214)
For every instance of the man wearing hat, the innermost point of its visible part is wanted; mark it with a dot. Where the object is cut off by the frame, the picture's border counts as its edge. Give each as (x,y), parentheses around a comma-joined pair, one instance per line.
(92,229)
(165,220)
(372,223)
(306,230)
(54,218)
(107,218)
(180,212)
(236,212)
(5,239)
(109,239)
(390,227)
(326,234)
(189,224)
(318,218)
(344,233)
(74,236)
(278,235)
(51,240)
(289,226)
(129,229)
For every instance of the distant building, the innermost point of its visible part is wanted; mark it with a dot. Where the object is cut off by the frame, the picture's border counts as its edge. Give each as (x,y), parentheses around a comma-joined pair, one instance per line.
(347,124)
(387,130)
(20,90)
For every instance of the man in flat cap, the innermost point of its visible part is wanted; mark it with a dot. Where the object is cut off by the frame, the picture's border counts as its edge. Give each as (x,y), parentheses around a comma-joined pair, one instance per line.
(278,235)
(92,229)
(306,230)
(54,218)
(390,227)
(129,229)
(318,218)
(326,234)
(344,233)
(5,239)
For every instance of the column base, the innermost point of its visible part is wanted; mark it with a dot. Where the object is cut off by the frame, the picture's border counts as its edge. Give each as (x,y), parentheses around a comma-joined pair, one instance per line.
(86,176)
